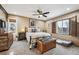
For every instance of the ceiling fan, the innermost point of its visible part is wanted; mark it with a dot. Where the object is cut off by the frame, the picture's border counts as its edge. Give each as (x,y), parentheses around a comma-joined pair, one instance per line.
(41,13)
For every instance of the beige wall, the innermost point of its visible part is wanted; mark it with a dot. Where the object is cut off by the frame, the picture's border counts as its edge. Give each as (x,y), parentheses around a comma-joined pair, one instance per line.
(2,15)
(22,22)
(70,15)
(40,24)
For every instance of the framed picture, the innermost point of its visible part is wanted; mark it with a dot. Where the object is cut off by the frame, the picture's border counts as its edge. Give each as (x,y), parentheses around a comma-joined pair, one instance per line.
(32,22)
(12,27)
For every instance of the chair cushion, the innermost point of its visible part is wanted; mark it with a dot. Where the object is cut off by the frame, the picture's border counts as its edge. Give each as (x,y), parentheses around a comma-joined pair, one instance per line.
(2,30)
(64,42)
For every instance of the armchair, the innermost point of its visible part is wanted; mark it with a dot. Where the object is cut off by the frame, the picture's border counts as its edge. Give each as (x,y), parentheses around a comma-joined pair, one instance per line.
(6,40)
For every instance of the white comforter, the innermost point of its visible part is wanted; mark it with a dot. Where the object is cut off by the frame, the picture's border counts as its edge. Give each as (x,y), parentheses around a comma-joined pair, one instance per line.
(36,34)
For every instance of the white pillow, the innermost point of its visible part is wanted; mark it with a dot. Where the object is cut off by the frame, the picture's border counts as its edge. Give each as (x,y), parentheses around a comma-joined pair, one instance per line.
(30,29)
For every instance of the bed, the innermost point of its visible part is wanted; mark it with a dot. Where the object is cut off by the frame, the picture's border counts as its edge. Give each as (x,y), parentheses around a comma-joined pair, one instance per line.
(36,35)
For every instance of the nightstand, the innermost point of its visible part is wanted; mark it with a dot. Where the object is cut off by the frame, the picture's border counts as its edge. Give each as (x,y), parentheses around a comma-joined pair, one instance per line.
(21,36)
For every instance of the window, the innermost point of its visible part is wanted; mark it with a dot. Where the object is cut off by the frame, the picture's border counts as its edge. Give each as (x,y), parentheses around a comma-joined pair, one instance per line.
(62,27)
(66,27)
(2,24)
(59,28)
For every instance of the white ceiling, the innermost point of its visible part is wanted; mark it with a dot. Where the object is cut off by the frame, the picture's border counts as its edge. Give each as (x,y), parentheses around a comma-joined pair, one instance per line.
(29,9)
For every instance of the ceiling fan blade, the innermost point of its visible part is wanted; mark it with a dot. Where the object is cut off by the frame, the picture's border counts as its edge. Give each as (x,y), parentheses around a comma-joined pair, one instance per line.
(46,13)
(38,11)
(35,14)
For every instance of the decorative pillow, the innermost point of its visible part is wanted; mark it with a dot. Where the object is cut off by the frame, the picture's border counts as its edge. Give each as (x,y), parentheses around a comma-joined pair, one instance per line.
(34,30)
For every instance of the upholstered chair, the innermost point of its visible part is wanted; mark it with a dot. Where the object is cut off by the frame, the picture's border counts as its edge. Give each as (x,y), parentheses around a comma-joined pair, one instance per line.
(6,40)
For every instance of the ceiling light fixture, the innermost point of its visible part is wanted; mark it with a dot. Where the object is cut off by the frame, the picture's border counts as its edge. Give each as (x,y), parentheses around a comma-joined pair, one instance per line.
(40,15)
(68,9)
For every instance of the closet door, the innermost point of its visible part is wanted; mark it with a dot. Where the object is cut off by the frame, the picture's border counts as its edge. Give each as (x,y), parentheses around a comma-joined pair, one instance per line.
(53,27)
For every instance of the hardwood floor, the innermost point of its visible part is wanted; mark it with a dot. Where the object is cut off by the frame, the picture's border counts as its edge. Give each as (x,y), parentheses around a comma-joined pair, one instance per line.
(21,48)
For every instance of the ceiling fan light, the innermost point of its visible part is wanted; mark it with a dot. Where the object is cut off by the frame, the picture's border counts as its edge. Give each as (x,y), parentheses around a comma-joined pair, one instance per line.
(40,15)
